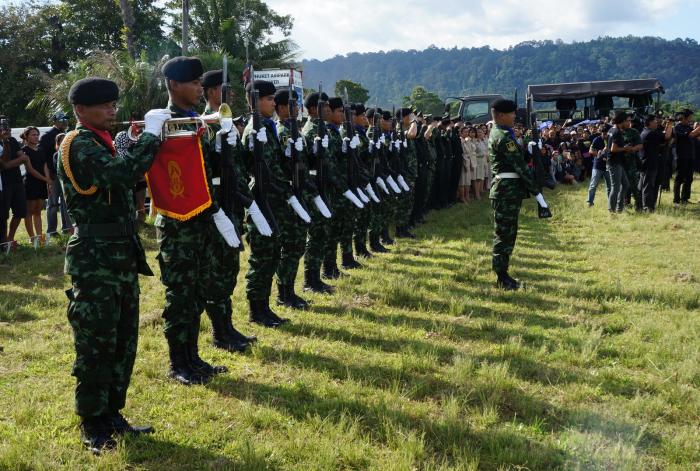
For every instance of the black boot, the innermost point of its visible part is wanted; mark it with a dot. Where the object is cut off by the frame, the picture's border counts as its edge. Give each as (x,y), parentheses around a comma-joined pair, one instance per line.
(402,232)
(386,238)
(225,336)
(505,282)
(180,368)
(312,282)
(96,435)
(377,246)
(120,426)
(258,314)
(330,269)
(273,315)
(361,250)
(193,353)
(349,262)
(290,298)
(513,281)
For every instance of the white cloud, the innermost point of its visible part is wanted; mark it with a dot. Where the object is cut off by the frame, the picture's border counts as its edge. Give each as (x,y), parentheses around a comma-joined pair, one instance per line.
(324,29)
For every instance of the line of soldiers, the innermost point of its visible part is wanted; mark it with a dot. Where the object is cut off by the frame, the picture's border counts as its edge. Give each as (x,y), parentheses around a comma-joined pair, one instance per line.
(340,181)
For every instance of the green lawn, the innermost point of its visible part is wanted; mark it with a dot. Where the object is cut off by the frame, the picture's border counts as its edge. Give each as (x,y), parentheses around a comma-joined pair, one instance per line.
(417,362)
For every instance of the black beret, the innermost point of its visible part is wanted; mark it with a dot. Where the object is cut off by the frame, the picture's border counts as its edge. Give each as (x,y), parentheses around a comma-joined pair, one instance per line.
(312,100)
(212,78)
(183,69)
(386,115)
(263,87)
(372,111)
(335,102)
(282,97)
(403,112)
(93,91)
(358,108)
(504,106)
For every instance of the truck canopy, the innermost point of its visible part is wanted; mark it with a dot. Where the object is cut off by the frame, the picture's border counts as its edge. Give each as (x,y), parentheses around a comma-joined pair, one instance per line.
(582,90)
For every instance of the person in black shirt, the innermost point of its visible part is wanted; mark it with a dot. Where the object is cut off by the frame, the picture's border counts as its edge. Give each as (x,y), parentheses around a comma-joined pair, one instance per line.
(615,151)
(652,140)
(685,156)
(35,183)
(47,144)
(599,164)
(13,186)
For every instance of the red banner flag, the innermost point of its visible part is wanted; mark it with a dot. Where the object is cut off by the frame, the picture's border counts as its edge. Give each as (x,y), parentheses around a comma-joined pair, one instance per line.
(177,180)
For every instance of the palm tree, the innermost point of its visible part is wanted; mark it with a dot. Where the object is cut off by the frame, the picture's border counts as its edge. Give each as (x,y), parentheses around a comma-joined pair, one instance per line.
(129,22)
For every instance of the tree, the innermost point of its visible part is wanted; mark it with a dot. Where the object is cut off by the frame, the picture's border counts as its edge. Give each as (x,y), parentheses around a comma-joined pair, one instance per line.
(128,19)
(356,92)
(223,25)
(425,101)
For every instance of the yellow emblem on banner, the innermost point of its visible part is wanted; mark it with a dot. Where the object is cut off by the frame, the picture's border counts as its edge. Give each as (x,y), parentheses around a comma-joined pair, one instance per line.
(175,177)
(511,146)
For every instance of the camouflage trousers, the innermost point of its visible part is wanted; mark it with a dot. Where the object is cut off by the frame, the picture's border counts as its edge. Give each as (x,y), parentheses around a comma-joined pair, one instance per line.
(104,315)
(316,244)
(428,188)
(378,215)
(505,216)
(342,227)
(364,216)
(225,265)
(391,210)
(186,259)
(293,243)
(405,205)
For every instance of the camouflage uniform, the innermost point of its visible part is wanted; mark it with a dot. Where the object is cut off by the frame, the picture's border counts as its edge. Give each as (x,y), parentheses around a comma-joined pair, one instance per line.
(364,216)
(293,230)
(379,212)
(431,162)
(391,165)
(631,165)
(507,193)
(409,170)
(104,257)
(265,251)
(343,221)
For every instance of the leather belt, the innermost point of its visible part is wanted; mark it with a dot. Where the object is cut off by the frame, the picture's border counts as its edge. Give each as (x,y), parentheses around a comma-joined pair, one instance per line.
(105,230)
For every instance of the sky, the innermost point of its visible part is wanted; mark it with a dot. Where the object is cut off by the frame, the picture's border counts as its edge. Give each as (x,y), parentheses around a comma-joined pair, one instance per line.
(323,29)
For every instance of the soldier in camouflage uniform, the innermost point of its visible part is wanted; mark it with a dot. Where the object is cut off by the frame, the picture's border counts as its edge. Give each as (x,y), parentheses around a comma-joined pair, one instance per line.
(430,163)
(265,252)
(104,257)
(225,264)
(342,198)
(389,168)
(187,249)
(511,184)
(375,157)
(631,163)
(294,238)
(408,162)
(365,176)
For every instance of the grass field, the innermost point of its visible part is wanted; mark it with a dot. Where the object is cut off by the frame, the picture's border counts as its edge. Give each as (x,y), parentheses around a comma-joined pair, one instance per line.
(417,362)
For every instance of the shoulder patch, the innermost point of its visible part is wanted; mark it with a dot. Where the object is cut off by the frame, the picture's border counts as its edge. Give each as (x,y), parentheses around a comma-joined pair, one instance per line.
(511,146)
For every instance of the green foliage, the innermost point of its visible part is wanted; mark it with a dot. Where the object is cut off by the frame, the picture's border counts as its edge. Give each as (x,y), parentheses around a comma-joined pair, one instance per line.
(417,361)
(451,72)
(425,101)
(356,92)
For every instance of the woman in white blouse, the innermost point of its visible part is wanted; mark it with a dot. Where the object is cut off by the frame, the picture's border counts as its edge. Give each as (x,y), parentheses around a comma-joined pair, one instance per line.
(467,135)
(481,164)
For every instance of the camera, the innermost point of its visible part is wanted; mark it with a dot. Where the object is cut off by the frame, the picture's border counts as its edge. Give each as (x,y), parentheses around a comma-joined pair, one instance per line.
(4,124)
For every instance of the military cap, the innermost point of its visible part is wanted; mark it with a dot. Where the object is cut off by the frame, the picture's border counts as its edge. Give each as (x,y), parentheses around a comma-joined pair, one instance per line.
(372,111)
(684,113)
(358,108)
(335,102)
(282,97)
(386,115)
(263,87)
(93,91)
(502,105)
(312,100)
(59,116)
(428,117)
(213,78)
(419,114)
(403,112)
(183,69)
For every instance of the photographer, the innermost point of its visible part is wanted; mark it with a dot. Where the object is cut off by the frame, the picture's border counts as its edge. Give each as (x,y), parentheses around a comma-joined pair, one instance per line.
(14,196)
(685,137)
(652,141)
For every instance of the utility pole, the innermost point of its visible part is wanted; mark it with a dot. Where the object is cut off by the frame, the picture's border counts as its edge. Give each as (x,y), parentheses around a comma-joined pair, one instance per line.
(185,25)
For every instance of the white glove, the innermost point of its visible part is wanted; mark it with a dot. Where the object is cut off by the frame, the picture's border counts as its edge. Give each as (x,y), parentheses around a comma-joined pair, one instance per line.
(393,185)
(323,209)
(262,135)
(382,140)
(154,121)
(299,209)
(382,185)
(355,142)
(405,143)
(259,220)
(540,200)
(346,141)
(226,229)
(397,144)
(299,144)
(362,196)
(379,143)
(371,193)
(1,151)
(530,146)
(349,195)
(288,149)
(232,138)
(403,183)
(325,141)
(371,147)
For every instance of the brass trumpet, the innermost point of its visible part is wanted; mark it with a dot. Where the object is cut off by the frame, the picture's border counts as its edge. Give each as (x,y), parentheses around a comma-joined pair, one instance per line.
(224,117)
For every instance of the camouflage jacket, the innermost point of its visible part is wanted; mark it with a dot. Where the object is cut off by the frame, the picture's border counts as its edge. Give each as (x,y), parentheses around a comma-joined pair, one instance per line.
(308,187)
(336,161)
(506,156)
(98,189)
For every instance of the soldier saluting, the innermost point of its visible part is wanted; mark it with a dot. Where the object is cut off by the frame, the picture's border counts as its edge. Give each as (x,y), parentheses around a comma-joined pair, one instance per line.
(104,257)
(511,184)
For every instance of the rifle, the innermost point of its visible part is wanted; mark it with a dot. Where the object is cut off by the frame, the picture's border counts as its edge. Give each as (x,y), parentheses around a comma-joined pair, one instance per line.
(352,153)
(261,172)
(539,176)
(228,172)
(297,164)
(321,132)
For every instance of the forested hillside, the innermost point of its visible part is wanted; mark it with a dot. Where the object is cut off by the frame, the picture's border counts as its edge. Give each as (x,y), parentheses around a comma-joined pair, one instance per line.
(390,76)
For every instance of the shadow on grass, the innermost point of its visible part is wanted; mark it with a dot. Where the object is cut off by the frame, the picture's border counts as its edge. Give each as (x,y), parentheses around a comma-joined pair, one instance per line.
(13,305)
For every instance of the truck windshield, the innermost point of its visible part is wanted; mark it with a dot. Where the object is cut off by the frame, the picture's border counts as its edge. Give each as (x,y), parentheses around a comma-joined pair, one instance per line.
(475,109)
